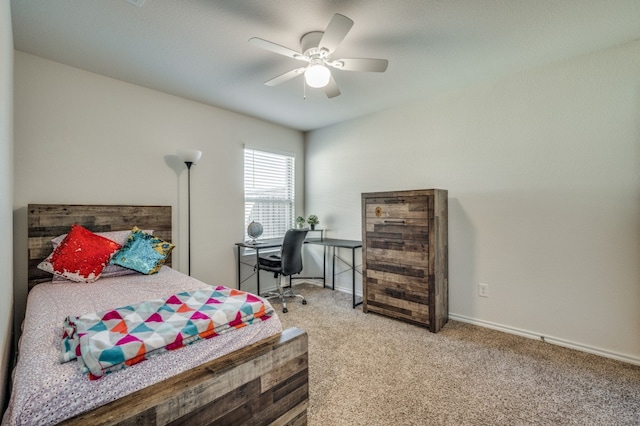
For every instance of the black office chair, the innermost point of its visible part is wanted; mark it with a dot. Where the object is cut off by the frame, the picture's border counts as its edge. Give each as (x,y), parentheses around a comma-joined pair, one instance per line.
(287,263)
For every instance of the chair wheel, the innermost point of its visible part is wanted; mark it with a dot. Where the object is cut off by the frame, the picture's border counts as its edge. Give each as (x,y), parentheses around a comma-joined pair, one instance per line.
(304,302)
(285,310)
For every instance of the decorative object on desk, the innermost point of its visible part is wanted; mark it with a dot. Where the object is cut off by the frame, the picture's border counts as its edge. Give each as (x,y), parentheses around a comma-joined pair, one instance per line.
(312,220)
(254,230)
(300,222)
(189,157)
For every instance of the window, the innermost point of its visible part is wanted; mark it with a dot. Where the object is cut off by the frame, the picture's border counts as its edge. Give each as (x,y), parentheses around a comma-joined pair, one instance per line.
(269,191)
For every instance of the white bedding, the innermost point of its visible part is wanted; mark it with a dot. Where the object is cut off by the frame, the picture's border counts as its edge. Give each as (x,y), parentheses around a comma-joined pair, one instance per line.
(46,392)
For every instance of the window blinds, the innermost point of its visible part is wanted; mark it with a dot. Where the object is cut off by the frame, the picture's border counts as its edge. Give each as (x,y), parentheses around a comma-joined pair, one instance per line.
(269,191)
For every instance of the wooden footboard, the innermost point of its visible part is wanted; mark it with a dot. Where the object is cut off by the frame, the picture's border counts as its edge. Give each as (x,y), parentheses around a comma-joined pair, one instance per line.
(261,384)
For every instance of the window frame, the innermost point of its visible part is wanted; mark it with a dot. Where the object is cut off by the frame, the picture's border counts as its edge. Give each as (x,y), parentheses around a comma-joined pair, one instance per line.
(274,202)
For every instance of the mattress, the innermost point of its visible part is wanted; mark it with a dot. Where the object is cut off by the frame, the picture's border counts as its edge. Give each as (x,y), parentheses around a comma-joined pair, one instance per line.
(46,392)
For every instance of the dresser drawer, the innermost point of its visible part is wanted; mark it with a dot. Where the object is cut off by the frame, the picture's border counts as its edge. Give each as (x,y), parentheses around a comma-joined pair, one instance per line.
(376,241)
(413,284)
(418,259)
(398,302)
(409,211)
(386,230)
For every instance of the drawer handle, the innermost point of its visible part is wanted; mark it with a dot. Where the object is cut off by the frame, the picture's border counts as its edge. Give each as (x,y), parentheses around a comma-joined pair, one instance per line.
(396,222)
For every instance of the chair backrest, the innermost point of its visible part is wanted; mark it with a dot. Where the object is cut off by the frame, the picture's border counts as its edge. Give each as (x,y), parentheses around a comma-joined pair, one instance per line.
(291,253)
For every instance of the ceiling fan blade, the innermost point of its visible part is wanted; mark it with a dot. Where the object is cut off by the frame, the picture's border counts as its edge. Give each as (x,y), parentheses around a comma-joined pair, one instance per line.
(331,89)
(361,64)
(335,32)
(284,77)
(276,48)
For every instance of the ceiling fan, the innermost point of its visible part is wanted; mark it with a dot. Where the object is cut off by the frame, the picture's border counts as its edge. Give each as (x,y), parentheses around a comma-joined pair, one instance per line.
(317,48)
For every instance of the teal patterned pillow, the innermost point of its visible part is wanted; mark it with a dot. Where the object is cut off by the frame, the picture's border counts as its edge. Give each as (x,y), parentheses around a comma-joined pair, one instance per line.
(143,252)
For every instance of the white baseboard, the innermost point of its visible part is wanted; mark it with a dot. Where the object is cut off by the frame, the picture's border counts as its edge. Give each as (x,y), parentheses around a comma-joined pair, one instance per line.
(525,333)
(547,339)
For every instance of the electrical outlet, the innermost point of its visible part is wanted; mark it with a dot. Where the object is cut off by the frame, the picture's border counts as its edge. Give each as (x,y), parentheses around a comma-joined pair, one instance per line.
(483,290)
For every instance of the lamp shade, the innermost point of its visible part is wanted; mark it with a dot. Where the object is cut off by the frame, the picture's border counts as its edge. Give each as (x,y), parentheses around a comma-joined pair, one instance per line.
(189,155)
(317,75)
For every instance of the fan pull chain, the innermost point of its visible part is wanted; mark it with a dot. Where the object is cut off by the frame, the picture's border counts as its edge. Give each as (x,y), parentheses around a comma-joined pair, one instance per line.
(304,89)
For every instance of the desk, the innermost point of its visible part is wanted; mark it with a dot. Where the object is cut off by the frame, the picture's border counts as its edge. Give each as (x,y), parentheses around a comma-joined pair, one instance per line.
(326,242)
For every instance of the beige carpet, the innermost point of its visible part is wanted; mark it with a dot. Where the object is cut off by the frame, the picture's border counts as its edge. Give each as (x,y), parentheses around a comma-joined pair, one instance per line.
(366,369)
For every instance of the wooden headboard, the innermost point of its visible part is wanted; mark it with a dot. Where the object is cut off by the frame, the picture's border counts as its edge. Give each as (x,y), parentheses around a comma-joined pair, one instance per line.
(47,221)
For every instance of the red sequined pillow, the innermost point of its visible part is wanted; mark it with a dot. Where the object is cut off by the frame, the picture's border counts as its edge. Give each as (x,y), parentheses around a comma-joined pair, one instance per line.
(120,237)
(81,256)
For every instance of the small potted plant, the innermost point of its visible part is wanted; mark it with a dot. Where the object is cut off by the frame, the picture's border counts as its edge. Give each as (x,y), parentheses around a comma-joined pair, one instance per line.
(300,222)
(313,221)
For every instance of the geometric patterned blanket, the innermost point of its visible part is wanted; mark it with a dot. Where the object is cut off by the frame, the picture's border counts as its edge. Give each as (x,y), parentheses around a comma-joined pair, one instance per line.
(104,342)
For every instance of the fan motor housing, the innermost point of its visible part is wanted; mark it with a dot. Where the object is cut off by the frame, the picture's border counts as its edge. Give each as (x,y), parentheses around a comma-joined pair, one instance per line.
(309,45)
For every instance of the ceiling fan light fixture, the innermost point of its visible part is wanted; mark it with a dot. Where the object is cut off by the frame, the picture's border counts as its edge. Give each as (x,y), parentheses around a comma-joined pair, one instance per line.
(317,49)
(317,75)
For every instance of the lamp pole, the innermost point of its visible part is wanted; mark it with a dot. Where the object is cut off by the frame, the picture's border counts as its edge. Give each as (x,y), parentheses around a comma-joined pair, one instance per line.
(189,157)
(189,164)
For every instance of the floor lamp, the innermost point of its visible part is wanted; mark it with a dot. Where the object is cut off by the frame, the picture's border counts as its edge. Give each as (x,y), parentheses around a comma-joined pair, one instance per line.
(189,157)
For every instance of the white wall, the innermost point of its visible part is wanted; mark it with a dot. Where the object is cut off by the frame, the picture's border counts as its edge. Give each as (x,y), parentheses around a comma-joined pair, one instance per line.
(544,198)
(87,139)
(6,194)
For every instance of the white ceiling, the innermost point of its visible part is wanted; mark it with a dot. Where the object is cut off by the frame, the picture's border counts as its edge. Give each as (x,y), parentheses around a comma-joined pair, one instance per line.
(198,49)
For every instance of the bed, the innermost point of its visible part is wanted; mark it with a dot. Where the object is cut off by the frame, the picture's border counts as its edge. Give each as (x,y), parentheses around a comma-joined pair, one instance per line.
(257,374)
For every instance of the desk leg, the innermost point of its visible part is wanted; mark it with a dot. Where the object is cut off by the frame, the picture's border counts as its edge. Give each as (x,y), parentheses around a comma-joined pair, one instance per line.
(333,270)
(353,276)
(258,271)
(239,280)
(324,267)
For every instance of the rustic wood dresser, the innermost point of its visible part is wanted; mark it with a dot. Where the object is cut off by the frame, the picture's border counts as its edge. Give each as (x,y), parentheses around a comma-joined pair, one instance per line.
(405,255)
